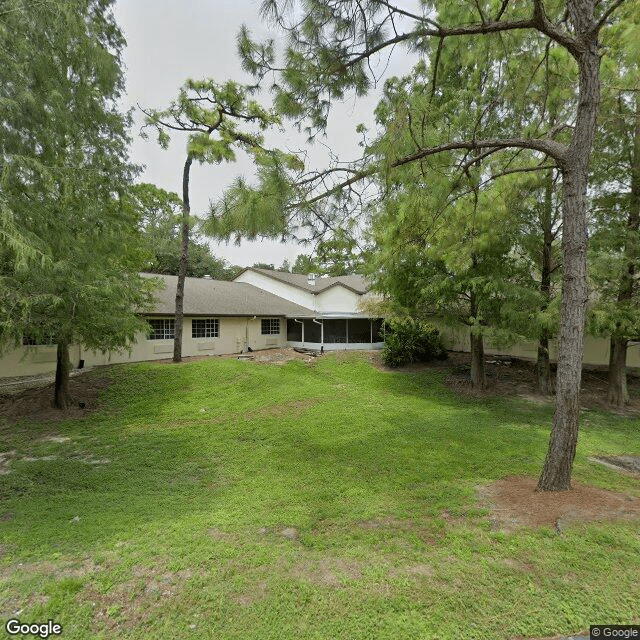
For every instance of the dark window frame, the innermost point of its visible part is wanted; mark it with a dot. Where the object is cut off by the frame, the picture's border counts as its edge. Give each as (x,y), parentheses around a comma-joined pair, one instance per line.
(270,326)
(207,328)
(164,328)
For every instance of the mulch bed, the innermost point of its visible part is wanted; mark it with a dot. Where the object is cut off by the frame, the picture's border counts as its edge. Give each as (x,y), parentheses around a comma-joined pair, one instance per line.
(514,502)
(36,403)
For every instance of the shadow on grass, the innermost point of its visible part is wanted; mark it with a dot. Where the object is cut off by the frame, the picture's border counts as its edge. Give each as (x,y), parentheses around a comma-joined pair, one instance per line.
(230,444)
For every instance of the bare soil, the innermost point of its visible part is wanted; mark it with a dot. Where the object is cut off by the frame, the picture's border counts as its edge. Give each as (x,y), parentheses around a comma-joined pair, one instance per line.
(32,397)
(36,402)
(262,356)
(511,376)
(514,502)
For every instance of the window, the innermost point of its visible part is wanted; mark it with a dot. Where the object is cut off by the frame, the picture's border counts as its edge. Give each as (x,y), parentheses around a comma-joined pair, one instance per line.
(270,326)
(162,328)
(205,328)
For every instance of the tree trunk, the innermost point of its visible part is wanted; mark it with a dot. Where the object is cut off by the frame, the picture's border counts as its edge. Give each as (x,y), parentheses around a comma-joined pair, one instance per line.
(618,392)
(478,378)
(543,368)
(556,473)
(184,263)
(63,368)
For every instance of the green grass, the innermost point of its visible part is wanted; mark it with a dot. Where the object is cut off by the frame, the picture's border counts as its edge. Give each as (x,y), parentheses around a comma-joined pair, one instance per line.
(162,515)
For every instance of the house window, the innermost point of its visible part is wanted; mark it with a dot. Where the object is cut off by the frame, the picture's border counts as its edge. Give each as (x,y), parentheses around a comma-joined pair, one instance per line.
(270,326)
(205,328)
(162,328)
(30,341)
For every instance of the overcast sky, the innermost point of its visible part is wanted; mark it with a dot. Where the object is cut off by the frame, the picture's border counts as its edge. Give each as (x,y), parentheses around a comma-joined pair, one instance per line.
(169,41)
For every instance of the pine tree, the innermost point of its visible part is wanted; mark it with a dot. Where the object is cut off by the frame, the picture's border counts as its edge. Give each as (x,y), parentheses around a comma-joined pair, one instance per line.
(211,114)
(331,46)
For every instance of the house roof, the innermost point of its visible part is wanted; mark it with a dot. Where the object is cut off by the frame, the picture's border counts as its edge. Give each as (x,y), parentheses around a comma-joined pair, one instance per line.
(207,297)
(355,283)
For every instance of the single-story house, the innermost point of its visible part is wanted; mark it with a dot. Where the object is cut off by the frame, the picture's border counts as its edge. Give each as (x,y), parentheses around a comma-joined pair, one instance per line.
(260,309)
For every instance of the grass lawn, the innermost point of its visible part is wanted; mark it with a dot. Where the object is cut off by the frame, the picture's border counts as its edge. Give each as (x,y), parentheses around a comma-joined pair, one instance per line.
(224,499)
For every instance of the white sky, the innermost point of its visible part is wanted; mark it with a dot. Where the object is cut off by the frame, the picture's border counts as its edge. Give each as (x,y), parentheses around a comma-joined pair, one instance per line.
(169,41)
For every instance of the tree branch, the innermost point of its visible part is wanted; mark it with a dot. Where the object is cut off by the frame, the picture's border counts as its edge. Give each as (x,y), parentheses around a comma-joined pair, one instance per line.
(551,148)
(606,14)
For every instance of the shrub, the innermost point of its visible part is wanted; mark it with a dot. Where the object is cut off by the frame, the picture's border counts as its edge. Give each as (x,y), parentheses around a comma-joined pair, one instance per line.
(411,340)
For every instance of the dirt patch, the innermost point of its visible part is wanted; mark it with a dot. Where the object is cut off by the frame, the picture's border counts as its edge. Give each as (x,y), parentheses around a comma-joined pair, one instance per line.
(510,376)
(36,403)
(327,572)
(628,464)
(69,569)
(130,603)
(262,356)
(259,591)
(412,570)
(295,407)
(514,502)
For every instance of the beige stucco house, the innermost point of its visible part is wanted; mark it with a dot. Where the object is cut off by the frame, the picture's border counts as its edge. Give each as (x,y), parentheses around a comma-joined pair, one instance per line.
(260,309)
(263,309)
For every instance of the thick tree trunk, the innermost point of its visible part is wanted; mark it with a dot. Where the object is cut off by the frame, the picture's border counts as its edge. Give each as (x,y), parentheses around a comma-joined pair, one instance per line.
(618,393)
(556,473)
(184,263)
(63,368)
(478,377)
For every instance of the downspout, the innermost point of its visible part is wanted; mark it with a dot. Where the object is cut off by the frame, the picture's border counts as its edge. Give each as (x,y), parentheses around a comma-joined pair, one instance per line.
(246,335)
(321,331)
(302,323)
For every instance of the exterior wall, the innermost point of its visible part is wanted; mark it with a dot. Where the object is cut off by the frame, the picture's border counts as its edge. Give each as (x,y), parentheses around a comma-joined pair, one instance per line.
(31,361)
(236,334)
(286,291)
(596,350)
(337,300)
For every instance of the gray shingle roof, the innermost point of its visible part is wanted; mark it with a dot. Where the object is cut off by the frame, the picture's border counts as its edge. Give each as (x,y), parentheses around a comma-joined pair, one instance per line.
(207,297)
(356,283)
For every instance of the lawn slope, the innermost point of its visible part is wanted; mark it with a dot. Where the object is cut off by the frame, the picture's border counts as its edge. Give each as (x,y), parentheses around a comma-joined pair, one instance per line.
(225,499)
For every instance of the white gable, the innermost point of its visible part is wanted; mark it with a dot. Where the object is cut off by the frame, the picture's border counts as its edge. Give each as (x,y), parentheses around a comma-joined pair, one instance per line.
(278,288)
(337,299)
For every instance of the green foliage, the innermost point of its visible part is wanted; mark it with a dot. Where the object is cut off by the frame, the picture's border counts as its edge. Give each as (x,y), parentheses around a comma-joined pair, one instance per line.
(261,210)
(65,175)
(161,214)
(338,255)
(408,340)
(220,119)
(304,264)
(614,259)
